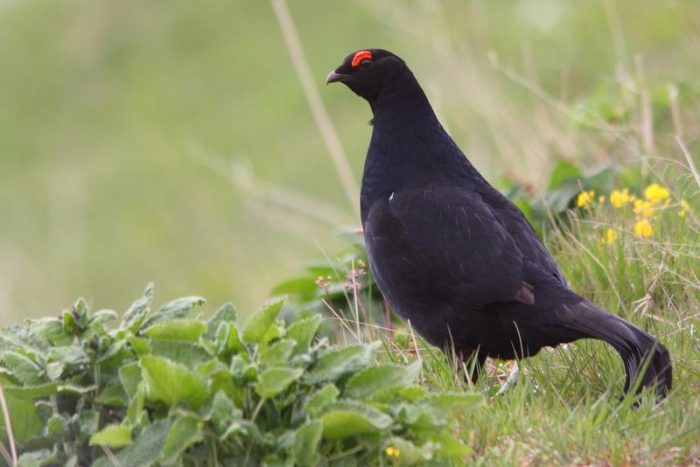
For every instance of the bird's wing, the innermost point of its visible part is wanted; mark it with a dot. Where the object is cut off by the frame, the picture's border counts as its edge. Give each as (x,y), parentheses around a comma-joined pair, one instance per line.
(453,242)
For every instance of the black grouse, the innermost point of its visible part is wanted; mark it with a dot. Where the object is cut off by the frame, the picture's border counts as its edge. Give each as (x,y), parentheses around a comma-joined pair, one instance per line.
(456,257)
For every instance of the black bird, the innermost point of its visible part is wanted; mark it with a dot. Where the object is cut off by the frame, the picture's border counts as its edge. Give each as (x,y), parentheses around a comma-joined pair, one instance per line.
(456,257)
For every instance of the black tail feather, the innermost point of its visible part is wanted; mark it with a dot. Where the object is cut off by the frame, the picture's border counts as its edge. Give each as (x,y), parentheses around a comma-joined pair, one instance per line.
(647,361)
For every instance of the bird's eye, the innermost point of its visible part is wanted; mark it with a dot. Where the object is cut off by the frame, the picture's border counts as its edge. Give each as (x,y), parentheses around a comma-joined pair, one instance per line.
(365,63)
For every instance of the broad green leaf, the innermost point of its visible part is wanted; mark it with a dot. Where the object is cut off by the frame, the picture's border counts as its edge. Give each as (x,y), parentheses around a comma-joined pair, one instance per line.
(112,436)
(225,314)
(344,420)
(369,381)
(134,316)
(223,412)
(407,393)
(278,353)
(562,172)
(113,395)
(178,329)
(175,309)
(52,330)
(144,450)
(242,369)
(130,377)
(338,362)
(321,398)
(304,288)
(303,332)
(69,355)
(24,418)
(258,324)
(186,353)
(30,392)
(23,368)
(185,432)
(135,412)
(172,383)
(275,380)
(227,338)
(306,443)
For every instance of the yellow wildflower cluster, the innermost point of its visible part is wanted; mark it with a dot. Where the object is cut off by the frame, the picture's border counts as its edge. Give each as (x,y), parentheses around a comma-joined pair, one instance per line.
(585,198)
(620,198)
(392,452)
(656,198)
(656,193)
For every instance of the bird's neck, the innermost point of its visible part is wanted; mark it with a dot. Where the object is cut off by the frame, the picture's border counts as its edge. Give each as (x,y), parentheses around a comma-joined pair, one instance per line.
(403,103)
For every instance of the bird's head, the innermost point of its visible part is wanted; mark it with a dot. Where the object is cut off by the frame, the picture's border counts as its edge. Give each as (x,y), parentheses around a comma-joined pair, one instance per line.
(366,72)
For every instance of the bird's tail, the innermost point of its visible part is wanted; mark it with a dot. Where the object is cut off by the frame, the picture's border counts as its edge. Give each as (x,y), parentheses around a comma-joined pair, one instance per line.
(647,361)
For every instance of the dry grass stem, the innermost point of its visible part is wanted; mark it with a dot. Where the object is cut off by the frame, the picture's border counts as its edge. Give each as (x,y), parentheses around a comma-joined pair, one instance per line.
(323,121)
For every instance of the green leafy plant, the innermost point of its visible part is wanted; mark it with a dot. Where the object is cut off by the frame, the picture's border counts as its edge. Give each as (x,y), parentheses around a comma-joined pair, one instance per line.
(163,388)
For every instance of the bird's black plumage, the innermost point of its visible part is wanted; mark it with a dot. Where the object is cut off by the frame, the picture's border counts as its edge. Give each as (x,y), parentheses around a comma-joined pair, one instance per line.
(452,254)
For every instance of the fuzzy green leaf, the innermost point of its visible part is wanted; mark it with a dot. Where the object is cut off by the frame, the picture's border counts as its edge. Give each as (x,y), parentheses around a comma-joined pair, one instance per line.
(321,398)
(134,316)
(173,310)
(306,443)
(260,322)
(344,420)
(177,329)
(185,432)
(225,314)
(275,380)
(112,436)
(303,332)
(145,449)
(130,377)
(371,380)
(337,362)
(172,383)
(22,367)
(278,353)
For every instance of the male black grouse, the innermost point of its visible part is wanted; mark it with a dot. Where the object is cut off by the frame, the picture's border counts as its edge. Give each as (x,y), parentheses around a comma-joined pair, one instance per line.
(452,254)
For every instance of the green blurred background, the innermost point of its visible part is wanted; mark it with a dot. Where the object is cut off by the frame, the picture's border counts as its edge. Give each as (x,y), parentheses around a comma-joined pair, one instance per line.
(171,141)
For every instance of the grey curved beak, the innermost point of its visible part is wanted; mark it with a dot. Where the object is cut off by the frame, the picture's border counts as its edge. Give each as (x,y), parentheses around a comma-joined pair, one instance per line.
(334,77)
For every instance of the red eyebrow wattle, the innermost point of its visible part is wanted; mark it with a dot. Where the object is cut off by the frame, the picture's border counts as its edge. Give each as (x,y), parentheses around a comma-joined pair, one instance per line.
(359,56)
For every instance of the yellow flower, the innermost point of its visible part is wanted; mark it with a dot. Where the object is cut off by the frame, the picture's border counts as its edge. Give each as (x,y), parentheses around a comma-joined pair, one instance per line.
(392,452)
(601,199)
(610,235)
(643,229)
(656,193)
(684,209)
(584,198)
(643,208)
(620,198)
